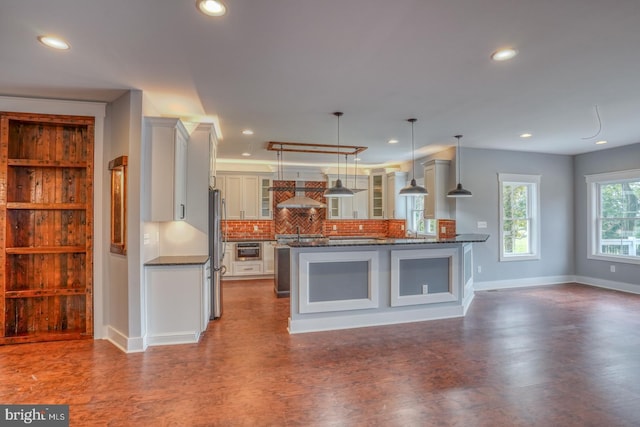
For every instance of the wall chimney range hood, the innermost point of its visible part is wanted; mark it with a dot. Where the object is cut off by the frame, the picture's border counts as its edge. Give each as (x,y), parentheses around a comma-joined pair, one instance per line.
(300,200)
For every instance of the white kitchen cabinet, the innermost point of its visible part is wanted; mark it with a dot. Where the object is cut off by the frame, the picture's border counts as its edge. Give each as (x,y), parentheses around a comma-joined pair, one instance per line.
(247,268)
(436,181)
(396,205)
(266,211)
(377,191)
(356,207)
(166,142)
(241,195)
(227,259)
(177,302)
(268,257)
(198,175)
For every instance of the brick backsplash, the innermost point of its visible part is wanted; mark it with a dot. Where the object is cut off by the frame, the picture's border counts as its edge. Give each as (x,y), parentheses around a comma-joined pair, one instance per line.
(310,221)
(244,230)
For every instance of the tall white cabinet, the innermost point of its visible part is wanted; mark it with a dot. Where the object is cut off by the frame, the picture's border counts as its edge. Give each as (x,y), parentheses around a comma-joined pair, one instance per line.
(166,143)
(436,181)
(396,205)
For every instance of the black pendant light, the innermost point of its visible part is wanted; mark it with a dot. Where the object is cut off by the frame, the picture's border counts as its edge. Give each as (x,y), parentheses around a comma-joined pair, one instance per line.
(413,189)
(459,191)
(338,190)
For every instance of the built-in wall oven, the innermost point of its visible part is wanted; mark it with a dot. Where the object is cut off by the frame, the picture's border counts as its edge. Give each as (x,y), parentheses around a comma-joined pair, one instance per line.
(248,251)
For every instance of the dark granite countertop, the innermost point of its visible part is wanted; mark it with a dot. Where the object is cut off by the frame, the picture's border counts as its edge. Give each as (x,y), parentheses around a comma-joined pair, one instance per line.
(460,238)
(178,260)
(250,239)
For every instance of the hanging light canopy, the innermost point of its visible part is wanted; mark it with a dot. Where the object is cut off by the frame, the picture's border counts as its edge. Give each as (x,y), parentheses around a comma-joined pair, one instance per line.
(338,190)
(413,189)
(459,191)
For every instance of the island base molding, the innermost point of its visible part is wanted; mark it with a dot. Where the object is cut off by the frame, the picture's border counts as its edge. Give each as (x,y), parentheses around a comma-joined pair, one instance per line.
(297,326)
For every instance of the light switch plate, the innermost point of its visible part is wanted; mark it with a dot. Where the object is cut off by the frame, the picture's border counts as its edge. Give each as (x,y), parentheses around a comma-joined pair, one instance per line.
(482,224)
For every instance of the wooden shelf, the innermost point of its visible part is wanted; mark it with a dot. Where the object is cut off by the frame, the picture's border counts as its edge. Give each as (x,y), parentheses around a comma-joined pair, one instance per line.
(46,163)
(30,293)
(44,336)
(46,250)
(46,168)
(47,206)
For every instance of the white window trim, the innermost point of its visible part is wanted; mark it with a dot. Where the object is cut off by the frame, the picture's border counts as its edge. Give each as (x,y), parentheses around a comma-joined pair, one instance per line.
(592,212)
(535,216)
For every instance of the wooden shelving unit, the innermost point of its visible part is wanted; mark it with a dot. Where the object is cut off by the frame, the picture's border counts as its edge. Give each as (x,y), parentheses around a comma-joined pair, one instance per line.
(46,229)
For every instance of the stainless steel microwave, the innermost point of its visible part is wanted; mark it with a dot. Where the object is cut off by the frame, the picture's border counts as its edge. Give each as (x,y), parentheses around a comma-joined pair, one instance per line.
(248,251)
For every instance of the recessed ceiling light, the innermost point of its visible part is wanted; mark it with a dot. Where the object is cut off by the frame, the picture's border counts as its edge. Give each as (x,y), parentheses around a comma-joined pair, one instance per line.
(247,132)
(504,54)
(246,154)
(357,159)
(54,42)
(211,7)
(601,142)
(393,141)
(526,135)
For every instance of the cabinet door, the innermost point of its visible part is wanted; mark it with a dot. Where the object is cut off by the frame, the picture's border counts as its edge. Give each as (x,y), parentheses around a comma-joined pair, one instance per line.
(265,198)
(361,199)
(167,182)
(377,196)
(180,207)
(268,256)
(429,201)
(233,196)
(250,197)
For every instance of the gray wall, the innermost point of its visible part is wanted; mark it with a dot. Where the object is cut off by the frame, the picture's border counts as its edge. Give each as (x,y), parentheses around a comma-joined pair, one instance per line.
(479,172)
(122,273)
(611,160)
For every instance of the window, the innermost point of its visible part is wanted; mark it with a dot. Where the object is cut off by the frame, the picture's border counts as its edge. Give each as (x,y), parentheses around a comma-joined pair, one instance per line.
(415,207)
(415,214)
(614,216)
(519,217)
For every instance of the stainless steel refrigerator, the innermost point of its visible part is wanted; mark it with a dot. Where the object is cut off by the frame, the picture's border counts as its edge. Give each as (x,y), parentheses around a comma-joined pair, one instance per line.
(217,243)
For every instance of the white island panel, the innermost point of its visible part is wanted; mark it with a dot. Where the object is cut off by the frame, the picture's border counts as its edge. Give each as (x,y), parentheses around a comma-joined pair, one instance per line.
(336,282)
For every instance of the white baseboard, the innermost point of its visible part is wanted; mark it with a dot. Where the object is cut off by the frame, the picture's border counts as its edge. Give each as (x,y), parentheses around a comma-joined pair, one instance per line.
(608,284)
(173,338)
(555,280)
(123,342)
(375,319)
(522,283)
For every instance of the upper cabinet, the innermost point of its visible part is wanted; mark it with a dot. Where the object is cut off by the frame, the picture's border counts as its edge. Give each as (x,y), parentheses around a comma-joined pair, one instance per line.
(241,196)
(377,187)
(436,181)
(266,211)
(199,175)
(166,140)
(356,207)
(396,205)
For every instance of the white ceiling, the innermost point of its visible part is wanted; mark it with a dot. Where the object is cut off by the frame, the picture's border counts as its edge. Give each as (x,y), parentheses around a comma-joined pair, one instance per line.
(281,67)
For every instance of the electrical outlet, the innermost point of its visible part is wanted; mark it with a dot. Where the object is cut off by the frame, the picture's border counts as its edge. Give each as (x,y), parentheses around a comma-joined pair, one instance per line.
(479,269)
(255,228)
(425,289)
(482,224)
(402,227)
(612,268)
(360,227)
(335,227)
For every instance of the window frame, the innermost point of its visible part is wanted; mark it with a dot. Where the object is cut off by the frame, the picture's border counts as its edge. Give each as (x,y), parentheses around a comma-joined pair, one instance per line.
(594,181)
(411,211)
(533,208)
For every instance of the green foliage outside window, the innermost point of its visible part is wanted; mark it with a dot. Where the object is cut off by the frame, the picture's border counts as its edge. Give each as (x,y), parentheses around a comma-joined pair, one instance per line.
(516,218)
(620,218)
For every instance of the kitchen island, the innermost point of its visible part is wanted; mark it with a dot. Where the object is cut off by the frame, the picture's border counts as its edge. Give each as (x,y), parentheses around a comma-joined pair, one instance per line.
(350,283)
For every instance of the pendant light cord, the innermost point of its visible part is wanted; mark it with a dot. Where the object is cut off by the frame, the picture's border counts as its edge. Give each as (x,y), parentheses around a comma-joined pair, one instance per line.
(413,151)
(458,155)
(338,114)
